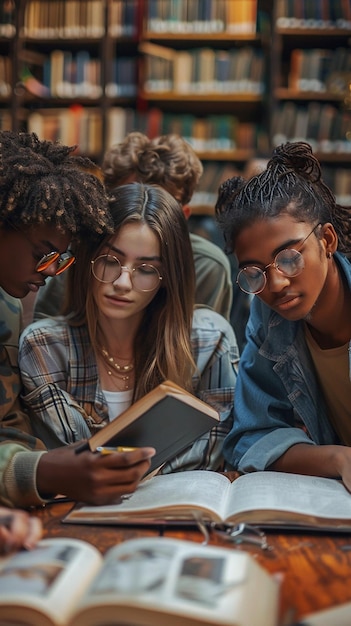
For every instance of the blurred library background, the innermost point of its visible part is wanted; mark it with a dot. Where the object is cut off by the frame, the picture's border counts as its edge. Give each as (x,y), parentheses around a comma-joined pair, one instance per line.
(233,77)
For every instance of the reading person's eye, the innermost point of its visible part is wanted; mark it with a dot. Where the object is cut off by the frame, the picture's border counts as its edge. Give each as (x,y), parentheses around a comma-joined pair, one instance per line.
(145,269)
(110,260)
(252,272)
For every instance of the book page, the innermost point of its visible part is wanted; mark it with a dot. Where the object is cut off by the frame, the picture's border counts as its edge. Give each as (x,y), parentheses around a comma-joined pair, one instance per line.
(161,496)
(49,580)
(170,581)
(259,496)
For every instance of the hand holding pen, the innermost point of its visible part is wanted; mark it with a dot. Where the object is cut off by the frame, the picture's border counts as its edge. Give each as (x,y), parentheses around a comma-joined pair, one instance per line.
(99,477)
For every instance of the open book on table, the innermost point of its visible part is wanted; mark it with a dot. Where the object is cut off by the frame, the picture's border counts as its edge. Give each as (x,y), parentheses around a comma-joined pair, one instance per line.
(267,499)
(168,419)
(141,582)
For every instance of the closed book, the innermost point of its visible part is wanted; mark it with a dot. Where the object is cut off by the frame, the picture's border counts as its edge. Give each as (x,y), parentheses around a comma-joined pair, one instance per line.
(57,71)
(82,86)
(168,418)
(242,16)
(182,71)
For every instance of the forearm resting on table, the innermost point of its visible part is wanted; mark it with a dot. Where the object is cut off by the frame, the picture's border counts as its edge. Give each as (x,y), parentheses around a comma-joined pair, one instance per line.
(328,461)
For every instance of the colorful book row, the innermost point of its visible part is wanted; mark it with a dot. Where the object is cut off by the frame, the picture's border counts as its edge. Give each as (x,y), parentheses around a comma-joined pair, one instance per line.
(206,134)
(320,70)
(203,70)
(313,14)
(202,16)
(69,19)
(212,133)
(324,126)
(64,74)
(80,126)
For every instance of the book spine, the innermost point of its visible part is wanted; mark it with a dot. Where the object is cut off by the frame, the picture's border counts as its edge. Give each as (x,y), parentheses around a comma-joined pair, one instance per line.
(242,17)
(116,126)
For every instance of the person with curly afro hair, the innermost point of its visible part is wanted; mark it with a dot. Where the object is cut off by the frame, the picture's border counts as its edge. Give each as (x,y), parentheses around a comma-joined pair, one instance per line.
(50,199)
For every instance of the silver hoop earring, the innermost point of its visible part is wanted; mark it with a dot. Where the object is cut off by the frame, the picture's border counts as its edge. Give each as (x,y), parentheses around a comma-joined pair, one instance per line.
(329,255)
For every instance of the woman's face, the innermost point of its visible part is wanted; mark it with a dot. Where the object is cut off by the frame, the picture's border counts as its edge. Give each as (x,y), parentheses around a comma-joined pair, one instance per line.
(292,297)
(134,245)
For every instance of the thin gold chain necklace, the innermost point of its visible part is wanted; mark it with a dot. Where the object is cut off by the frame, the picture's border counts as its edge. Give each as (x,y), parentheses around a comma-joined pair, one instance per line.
(123,375)
(112,363)
(120,379)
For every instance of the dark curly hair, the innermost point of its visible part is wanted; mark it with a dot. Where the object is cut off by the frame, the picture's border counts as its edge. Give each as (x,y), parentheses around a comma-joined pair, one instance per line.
(291,183)
(42,182)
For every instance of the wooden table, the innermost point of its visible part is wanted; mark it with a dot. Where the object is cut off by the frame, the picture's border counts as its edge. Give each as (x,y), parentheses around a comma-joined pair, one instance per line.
(315,568)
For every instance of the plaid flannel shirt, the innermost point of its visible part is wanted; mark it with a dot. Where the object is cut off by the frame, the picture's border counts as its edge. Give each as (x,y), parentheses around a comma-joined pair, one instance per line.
(66,403)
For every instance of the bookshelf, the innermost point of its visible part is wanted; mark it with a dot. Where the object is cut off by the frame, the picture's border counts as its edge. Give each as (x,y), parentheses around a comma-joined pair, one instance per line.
(75,61)
(204,75)
(311,84)
(8,64)
(234,77)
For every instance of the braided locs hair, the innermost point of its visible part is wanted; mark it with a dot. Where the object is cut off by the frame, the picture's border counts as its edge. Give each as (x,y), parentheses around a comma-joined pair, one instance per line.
(291,183)
(41,182)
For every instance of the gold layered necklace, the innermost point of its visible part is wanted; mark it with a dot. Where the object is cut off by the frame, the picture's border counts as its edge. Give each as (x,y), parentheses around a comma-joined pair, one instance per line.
(122,372)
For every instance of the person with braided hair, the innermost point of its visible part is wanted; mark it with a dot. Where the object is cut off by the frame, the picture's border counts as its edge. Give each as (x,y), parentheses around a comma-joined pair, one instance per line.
(50,199)
(292,409)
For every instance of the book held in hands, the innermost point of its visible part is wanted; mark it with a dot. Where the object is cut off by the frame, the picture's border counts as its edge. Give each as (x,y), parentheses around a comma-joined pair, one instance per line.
(168,419)
(141,582)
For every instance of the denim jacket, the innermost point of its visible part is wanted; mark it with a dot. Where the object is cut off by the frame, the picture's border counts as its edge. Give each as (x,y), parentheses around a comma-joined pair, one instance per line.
(278,400)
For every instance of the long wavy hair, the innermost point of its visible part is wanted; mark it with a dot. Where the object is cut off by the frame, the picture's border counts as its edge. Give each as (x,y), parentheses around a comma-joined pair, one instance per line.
(162,346)
(292,183)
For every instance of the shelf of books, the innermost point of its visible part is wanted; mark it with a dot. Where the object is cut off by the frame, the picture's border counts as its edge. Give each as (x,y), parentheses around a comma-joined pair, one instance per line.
(8,29)
(194,17)
(311,79)
(203,74)
(234,77)
(76,60)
